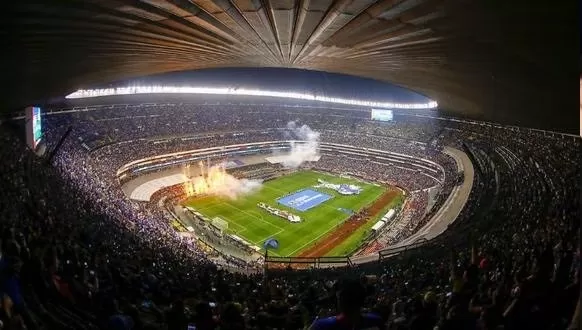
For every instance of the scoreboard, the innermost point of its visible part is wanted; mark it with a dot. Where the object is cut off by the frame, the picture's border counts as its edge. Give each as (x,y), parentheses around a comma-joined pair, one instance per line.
(382,115)
(33,126)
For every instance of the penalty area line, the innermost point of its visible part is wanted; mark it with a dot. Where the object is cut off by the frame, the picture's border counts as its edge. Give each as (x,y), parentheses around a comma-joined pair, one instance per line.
(265,238)
(315,239)
(254,216)
(208,207)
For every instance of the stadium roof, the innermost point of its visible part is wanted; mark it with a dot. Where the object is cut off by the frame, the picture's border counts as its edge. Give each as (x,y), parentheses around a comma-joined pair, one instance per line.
(509,61)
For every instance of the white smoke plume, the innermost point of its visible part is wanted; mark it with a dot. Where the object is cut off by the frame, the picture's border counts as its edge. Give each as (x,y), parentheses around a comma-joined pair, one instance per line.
(301,152)
(216,181)
(233,188)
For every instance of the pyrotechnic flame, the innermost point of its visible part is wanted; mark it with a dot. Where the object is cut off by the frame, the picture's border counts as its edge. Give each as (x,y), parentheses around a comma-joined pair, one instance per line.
(215,181)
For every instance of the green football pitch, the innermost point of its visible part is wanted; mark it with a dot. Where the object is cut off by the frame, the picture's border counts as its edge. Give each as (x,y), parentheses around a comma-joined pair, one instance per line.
(247,220)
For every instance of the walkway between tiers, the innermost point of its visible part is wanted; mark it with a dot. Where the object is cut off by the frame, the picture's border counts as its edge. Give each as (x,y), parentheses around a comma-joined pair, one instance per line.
(448,212)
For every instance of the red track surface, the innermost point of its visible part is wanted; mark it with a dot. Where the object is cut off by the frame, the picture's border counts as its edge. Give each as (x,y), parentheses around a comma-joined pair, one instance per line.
(343,231)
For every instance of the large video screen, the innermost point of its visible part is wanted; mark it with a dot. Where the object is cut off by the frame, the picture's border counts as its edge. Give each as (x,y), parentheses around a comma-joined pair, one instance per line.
(382,115)
(36,125)
(33,126)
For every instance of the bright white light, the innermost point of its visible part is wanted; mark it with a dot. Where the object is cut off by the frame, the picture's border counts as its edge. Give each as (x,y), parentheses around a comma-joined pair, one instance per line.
(86,93)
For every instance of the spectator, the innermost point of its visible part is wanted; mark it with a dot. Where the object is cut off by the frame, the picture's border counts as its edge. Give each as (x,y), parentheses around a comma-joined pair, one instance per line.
(350,299)
(84,246)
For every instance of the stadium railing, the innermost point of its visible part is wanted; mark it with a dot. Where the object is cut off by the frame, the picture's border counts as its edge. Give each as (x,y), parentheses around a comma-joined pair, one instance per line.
(395,250)
(341,261)
(302,262)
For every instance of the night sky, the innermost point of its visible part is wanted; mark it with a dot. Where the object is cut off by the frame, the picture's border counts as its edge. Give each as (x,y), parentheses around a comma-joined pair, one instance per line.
(281,79)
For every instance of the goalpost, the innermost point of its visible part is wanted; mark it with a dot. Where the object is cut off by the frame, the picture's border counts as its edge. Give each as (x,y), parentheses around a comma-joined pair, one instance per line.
(220,224)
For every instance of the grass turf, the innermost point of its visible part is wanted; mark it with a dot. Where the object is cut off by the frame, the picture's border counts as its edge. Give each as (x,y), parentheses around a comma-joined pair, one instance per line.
(255,225)
(357,238)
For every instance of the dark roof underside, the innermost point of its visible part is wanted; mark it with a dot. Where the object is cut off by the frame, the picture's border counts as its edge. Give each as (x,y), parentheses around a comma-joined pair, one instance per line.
(508,61)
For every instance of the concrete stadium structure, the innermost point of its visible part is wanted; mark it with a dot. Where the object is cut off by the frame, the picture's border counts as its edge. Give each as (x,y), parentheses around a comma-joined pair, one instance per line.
(504,61)
(145,177)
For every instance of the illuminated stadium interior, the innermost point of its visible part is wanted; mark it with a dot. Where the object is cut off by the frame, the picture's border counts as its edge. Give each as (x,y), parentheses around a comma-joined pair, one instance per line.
(269,164)
(242,91)
(254,184)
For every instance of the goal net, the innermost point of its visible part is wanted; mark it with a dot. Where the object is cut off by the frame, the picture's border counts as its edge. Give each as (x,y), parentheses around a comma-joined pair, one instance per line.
(220,224)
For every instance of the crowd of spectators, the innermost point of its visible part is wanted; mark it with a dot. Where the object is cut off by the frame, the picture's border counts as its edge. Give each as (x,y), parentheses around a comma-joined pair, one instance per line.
(412,217)
(360,132)
(104,125)
(76,254)
(407,178)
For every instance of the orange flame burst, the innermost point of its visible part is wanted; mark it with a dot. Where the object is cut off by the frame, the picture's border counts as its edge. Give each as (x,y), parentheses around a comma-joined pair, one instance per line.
(212,180)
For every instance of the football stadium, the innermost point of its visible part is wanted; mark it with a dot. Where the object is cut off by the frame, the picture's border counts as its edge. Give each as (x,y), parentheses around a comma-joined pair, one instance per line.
(319,214)
(369,164)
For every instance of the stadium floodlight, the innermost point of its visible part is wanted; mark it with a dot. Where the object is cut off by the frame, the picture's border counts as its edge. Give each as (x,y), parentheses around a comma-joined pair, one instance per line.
(87,93)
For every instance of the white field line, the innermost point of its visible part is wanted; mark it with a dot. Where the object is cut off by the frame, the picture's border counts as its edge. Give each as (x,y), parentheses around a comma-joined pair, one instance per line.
(275,253)
(313,240)
(209,207)
(236,225)
(270,224)
(238,232)
(230,222)
(259,217)
(259,243)
(318,237)
(269,236)
(320,204)
(254,216)
(332,196)
(265,238)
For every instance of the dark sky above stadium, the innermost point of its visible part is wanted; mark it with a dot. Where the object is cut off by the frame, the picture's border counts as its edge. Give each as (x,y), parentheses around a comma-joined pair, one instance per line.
(282,79)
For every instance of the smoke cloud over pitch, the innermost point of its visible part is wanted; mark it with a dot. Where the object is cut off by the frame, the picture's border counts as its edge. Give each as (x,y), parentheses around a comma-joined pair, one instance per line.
(301,152)
(216,181)
(232,188)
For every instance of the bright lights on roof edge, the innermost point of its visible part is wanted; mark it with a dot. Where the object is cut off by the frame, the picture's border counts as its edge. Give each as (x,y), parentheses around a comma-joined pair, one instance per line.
(86,93)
